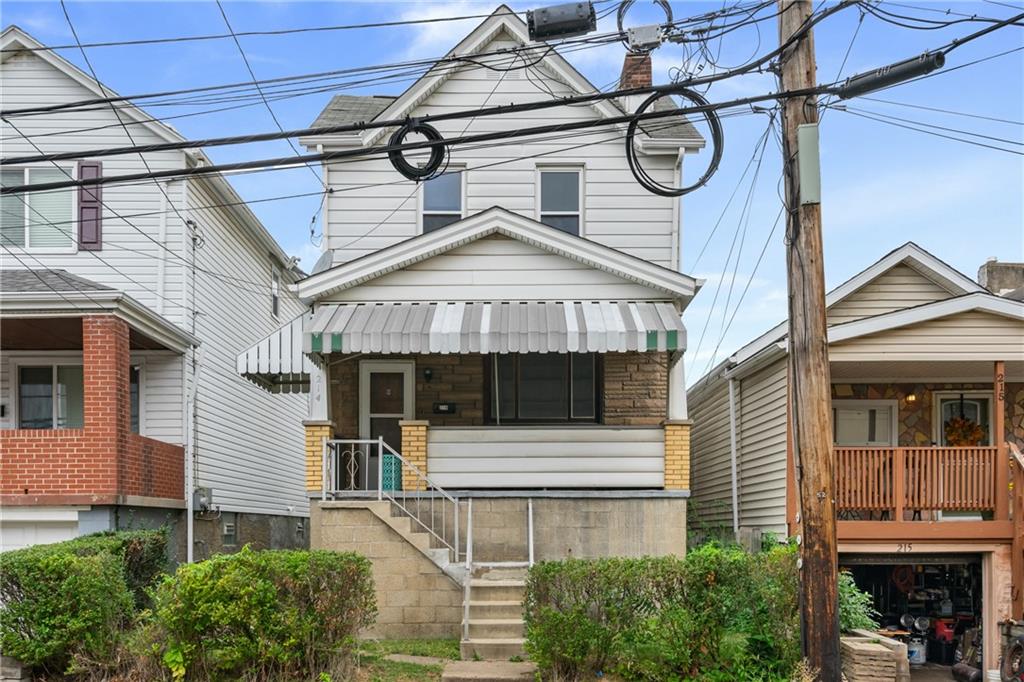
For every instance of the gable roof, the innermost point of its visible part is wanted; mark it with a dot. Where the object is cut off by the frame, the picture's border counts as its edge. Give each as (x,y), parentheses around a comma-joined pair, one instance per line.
(14,37)
(353,109)
(496,220)
(959,285)
(910,254)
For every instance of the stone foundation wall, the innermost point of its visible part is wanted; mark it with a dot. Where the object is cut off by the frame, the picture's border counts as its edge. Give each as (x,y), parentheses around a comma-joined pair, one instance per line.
(414,598)
(915,419)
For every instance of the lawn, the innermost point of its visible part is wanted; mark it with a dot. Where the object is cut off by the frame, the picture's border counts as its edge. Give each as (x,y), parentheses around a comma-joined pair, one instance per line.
(375,667)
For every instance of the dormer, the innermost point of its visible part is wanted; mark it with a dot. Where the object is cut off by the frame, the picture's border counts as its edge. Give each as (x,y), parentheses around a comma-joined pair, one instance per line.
(576,181)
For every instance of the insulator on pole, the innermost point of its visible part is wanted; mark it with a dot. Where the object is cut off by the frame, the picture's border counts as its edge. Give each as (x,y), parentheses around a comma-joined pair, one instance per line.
(863,83)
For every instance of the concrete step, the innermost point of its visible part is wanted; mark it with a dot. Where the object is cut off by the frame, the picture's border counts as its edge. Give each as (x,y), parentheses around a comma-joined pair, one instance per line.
(497,590)
(507,608)
(494,649)
(496,628)
(488,671)
(500,572)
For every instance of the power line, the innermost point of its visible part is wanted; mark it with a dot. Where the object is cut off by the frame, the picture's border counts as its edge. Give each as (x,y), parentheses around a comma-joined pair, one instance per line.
(276,32)
(944,111)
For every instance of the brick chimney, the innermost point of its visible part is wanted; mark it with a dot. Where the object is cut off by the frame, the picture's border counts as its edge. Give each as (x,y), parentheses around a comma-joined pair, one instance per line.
(636,71)
(1001,278)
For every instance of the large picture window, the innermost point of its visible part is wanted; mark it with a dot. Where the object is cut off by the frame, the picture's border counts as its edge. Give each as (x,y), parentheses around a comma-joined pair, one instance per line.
(38,220)
(53,397)
(543,388)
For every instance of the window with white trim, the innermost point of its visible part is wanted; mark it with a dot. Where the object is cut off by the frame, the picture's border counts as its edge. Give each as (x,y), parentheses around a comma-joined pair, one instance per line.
(275,292)
(559,201)
(37,220)
(442,200)
(857,423)
(52,396)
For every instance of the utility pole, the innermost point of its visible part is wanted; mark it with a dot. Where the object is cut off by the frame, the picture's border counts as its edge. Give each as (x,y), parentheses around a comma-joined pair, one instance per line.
(810,383)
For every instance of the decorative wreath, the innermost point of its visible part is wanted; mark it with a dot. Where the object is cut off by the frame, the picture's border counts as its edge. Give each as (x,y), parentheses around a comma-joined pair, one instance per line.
(963,431)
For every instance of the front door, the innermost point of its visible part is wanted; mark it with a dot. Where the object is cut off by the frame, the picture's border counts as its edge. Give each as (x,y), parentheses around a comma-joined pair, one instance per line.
(386,397)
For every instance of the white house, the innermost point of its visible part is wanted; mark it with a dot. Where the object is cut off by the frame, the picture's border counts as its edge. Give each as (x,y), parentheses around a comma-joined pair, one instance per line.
(192,276)
(504,338)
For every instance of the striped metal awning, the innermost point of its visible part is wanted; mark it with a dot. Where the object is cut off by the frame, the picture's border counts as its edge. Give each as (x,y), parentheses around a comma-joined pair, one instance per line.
(494,327)
(277,362)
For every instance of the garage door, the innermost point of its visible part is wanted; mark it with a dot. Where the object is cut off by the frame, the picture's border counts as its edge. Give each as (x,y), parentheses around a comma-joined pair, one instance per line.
(18,533)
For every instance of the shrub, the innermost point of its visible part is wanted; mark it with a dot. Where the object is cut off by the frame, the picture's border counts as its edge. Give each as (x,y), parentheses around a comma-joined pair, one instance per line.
(718,614)
(59,605)
(263,615)
(856,608)
(69,602)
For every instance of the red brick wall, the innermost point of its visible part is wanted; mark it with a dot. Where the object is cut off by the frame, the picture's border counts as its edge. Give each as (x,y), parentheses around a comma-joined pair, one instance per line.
(103,460)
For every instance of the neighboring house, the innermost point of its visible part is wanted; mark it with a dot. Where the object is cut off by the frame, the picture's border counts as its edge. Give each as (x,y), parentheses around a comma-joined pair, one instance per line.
(498,350)
(927,374)
(122,311)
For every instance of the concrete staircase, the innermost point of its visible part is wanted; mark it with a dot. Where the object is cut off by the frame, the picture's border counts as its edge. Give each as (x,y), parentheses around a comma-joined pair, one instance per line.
(413,533)
(495,625)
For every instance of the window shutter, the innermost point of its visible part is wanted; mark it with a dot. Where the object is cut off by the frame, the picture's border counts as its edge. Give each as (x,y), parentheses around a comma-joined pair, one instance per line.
(90,207)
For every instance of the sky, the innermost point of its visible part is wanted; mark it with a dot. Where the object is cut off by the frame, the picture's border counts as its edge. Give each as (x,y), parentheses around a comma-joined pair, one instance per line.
(882,185)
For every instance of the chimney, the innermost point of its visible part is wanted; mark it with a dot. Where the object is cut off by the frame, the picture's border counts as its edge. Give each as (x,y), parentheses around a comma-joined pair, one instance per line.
(636,71)
(1001,278)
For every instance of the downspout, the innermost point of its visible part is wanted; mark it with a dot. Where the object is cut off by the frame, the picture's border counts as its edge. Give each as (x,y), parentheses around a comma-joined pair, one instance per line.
(733,460)
(186,433)
(677,216)
(161,263)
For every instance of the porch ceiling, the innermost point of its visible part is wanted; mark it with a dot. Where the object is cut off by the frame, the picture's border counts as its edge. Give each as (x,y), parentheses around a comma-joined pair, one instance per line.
(922,371)
(56,333)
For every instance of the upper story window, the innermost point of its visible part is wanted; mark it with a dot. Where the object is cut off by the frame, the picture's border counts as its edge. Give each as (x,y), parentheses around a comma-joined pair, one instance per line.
(442,200)
(38,220)
(275,292)
(560,192)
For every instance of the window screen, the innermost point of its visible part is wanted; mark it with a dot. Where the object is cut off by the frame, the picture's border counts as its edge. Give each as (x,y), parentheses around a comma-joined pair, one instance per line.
(560,200)
(442,200)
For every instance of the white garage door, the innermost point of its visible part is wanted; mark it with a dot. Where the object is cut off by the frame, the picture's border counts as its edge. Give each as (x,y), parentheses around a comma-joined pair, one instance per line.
(24,527)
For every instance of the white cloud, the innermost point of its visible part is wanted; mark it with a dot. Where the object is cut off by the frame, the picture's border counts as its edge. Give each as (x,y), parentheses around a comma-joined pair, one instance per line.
(435,39)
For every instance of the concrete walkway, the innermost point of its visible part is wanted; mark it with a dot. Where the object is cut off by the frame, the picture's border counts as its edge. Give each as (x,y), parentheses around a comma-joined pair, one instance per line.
(488,671)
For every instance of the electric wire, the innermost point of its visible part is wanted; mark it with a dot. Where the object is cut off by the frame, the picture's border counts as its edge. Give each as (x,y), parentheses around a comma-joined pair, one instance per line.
(887,121)
(943,111)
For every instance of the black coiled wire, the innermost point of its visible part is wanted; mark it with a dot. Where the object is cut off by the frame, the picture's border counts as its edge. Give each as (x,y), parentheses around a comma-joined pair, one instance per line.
(438,153)
(717,141)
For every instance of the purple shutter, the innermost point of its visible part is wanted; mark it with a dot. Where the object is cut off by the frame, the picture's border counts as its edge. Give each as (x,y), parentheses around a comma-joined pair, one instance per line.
(90,207)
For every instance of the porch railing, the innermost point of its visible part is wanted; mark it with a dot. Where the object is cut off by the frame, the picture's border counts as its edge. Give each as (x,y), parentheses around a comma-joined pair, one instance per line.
(918,479)
(373,466)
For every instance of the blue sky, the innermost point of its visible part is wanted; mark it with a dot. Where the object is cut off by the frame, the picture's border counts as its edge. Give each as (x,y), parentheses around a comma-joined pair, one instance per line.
(881,185)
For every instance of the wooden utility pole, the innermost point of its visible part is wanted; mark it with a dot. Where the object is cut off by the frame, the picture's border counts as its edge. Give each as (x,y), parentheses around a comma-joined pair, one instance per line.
(810,383)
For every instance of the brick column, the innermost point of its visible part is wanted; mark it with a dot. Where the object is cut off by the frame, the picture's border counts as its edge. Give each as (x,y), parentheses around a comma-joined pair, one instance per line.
(677,454)
(316,433)
(107,403)
(414,451)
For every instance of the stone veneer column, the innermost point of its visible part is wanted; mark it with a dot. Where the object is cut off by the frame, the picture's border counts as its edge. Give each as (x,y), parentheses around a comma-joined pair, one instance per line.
(677,454)
(414,451)
(317,431)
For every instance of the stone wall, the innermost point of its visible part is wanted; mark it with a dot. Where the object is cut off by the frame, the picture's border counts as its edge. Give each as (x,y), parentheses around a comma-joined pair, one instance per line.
(915,418)
(635,389)
(414,598)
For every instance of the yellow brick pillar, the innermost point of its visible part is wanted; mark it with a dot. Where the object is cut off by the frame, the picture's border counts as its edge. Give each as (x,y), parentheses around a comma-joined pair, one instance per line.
(414,451)
(677,454)
(316,433)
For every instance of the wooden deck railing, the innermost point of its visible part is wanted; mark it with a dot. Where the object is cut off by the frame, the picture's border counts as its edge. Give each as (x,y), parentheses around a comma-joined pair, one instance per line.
(891,481)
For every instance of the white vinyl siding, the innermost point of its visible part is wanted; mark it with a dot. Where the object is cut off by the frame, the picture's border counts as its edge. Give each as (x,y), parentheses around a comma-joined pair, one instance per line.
(895,289)
(161,394)
(617,211)
(131,256)
(546,457)
(496,268)
(962,337)
(250,443)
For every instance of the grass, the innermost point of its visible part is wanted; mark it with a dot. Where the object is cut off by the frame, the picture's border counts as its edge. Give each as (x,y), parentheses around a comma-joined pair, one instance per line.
(374,666)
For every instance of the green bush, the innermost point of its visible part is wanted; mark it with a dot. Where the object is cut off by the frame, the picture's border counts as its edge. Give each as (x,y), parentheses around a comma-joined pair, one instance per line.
(59,605)
(856,608)
(263,615)
(718,614)
(70,601)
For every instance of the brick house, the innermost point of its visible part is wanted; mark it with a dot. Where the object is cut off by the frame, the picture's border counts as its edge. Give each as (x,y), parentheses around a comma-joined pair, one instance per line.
(494,355)
(122,309)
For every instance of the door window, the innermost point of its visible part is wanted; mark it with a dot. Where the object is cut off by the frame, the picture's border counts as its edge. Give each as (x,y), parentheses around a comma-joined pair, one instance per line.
(963,421)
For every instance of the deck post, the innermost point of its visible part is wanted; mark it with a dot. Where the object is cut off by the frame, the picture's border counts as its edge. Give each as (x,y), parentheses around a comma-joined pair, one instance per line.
(1017,545)
(1002,483)
(899,482)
